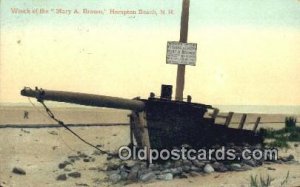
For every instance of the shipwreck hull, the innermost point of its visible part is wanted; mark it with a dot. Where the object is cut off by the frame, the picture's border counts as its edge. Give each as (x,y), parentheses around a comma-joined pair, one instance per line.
(160,123)
(173,123)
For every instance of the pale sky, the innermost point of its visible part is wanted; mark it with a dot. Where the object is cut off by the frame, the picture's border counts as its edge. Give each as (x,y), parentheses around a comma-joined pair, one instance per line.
(248,51)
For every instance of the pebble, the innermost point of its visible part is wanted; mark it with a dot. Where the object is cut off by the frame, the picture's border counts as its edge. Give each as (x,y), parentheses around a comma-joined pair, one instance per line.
(73,158)
(109,157)
(81,184)
(178,163)
(74,174)
(130,164)
(124,168)
(167,177)
(113,172)
(208,168)
(235,167)
(112,166)
(194,168)
(133,174)
(147,177)
(154,166)
(61,177)
(97,152)
(246,167)
(166,171)
(278,161)
(167,165)
(63,165)
(288,158)
(53,133)
(198,164)
(194,174)
(292,162)
(187,163)
(251,162)
(186,168)
(68,168)
(82,155)
(114,154)
(219,167)
(114,178)
(176,171)
(183,176)
(25,131)
(124,175)
(19,171)
(143,171)
(259,162)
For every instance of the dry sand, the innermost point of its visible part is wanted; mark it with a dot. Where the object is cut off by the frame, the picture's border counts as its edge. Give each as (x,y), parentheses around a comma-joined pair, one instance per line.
(39,151)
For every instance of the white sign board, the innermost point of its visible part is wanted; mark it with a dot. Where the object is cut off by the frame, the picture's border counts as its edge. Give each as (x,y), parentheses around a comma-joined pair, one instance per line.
(181,53)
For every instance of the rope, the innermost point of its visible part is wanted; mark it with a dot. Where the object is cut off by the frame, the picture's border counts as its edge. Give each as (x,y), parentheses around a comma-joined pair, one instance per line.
(35,107)
(51,115)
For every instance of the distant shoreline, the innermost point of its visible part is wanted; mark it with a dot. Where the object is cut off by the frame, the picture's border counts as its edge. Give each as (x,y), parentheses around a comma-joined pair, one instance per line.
(251,109)
(13,117)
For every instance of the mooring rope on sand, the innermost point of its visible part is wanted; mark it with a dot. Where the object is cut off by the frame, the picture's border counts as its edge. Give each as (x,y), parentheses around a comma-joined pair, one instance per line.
(51,115)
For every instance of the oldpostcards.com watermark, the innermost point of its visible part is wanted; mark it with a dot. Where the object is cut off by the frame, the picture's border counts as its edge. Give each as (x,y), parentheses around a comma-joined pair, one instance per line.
(221,154)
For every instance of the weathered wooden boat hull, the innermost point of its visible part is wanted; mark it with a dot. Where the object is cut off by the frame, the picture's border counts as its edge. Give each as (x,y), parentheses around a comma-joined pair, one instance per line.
(160,123)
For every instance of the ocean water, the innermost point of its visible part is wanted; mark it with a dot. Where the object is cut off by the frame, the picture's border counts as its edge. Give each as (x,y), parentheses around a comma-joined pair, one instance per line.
(262,109)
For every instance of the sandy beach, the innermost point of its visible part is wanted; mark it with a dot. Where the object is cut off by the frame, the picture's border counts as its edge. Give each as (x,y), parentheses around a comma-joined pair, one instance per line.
(199,76)
(39,151)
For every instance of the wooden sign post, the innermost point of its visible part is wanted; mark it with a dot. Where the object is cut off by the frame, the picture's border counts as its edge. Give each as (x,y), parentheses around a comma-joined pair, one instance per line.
(183,38)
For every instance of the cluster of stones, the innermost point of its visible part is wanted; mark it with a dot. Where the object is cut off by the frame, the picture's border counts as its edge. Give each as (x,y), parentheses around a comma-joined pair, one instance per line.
(66,165)
(138,171)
